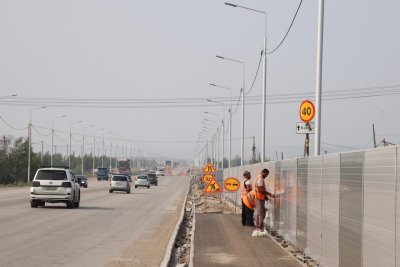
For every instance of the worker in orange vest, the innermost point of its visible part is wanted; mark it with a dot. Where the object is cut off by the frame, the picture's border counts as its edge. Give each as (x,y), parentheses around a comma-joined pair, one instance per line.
(248,201)
(247,212)
(261,195)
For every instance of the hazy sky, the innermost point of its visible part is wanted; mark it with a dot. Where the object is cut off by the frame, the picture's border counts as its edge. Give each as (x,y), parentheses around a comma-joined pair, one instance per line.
(155,50)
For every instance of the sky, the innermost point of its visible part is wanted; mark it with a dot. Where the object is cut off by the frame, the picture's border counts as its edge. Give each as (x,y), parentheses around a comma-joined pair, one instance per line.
(122,66)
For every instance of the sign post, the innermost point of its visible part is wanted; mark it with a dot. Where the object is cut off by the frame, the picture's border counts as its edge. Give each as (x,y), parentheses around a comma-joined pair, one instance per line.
(307,113)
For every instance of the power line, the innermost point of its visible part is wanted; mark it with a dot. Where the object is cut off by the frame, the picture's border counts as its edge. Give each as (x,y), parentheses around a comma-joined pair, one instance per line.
(255,77)
(291,24)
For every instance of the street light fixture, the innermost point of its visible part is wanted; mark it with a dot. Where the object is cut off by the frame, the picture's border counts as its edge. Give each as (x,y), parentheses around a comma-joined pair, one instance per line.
(30,139)
(52,136)
(243,102)
(264,94)
(70,142)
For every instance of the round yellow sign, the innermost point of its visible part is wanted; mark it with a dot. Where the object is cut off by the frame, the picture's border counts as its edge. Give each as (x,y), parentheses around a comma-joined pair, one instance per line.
(307,111)
(231,184)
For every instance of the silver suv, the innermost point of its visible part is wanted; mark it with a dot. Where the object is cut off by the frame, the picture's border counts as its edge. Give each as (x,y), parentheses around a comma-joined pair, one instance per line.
(120,183)
(54,185)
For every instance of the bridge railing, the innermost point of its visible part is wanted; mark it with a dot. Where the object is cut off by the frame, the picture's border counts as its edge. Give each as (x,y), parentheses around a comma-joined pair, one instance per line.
(341,209)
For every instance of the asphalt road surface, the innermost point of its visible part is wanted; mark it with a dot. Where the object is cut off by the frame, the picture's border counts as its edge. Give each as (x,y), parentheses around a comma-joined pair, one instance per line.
(108,230)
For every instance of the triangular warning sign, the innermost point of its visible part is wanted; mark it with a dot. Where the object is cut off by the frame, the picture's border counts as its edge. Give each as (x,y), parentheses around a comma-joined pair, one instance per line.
(209,168)
(213,187)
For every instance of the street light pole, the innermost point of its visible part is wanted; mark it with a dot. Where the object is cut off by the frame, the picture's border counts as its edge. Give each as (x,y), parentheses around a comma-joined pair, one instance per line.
(94,147)
(317,149)
(52,137)
(70,142)
(230,122)
(30,140)
(264,94)
(243,103)
(83,144)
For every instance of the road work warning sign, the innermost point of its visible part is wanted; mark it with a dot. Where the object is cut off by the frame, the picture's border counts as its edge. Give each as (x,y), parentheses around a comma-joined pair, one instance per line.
(207,178)
(213,187)
(209,168)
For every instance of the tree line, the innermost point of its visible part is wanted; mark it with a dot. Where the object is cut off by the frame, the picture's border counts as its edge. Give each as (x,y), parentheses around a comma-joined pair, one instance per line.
(14,161)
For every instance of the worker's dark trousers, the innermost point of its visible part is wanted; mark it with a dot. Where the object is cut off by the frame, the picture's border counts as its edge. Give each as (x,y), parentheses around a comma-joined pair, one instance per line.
(247,215)
(244,213)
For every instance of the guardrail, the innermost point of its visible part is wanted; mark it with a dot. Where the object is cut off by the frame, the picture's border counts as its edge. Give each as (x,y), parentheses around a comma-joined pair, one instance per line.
(340,209)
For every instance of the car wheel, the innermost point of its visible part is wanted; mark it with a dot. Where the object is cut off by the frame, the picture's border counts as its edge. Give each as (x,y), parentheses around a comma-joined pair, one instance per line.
(110,191)
(70,205)
(41,203)
(34,204)
(148,187)
(85,186)
(76,204)
(128,192)
(135,186)
(156,184)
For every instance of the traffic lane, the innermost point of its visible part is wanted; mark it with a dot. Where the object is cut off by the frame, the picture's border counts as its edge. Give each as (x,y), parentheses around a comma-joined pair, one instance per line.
(109,229)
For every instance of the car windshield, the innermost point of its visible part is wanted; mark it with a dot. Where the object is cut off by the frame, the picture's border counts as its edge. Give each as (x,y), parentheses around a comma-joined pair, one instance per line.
(151,175)
(142,177)
(102,170)
(119,178)
(78,179)
(51,175)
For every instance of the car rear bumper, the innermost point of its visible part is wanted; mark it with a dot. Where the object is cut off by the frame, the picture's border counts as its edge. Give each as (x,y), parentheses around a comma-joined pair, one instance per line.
(51,198)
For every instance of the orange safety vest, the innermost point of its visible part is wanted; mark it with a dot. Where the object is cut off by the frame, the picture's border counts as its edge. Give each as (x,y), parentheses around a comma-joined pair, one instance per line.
(260,196)
(243,188)
(248,200)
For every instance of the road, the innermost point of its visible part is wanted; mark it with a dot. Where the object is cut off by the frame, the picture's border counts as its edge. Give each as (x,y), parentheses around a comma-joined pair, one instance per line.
(108,230)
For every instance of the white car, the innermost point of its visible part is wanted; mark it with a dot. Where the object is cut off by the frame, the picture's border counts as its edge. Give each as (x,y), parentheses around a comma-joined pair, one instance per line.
(142,180)
(54,185)
(160,172)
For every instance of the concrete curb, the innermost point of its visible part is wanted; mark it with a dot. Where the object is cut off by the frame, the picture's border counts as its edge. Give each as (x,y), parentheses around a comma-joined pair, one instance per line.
(170,247)
(192,235)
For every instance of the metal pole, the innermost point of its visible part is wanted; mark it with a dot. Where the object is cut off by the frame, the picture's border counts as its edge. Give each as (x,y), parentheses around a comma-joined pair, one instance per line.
(319,77)
(217,148)
(41,158)
(94,150)
(223,144)
(242,141)
(29,149)
(83,147)
(264,95)
(52,142)
(102,153)
(70,147)
(230,138)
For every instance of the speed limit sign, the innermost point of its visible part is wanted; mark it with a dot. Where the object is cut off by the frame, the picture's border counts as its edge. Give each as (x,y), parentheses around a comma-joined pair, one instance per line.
(307,111)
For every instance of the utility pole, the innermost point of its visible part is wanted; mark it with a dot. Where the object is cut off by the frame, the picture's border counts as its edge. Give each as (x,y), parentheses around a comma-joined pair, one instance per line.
(307,146)
(254,159)
(373,134)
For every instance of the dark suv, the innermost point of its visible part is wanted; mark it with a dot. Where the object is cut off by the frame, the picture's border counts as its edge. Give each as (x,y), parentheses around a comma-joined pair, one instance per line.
(81,180)
(153,178)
